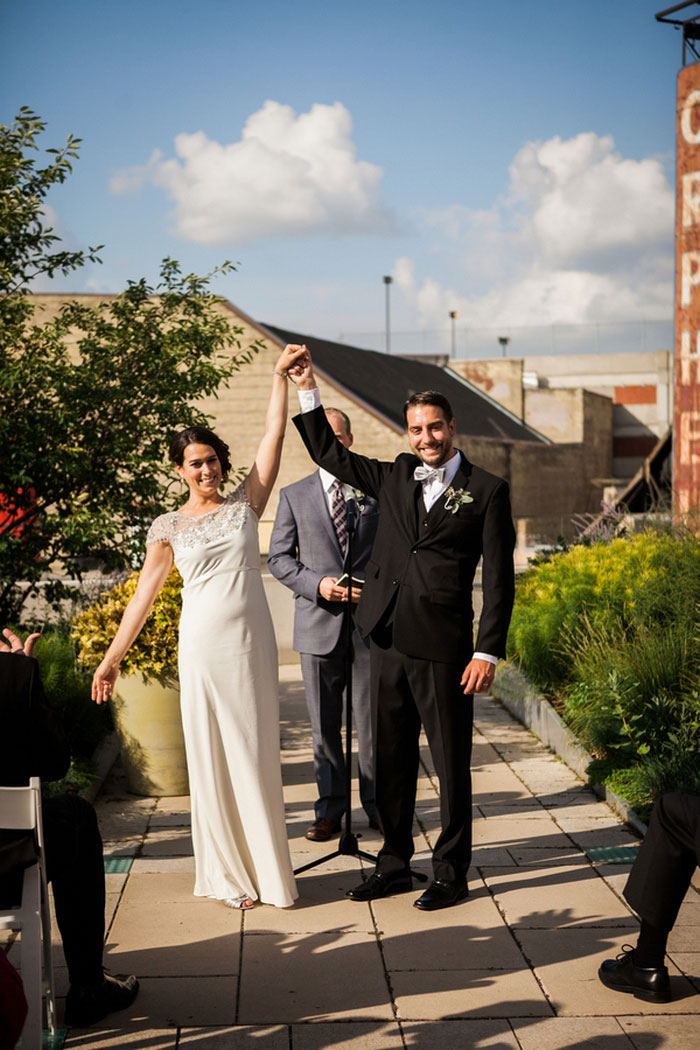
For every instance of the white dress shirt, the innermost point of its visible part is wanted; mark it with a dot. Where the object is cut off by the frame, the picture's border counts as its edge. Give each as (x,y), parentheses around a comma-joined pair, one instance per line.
(432,489)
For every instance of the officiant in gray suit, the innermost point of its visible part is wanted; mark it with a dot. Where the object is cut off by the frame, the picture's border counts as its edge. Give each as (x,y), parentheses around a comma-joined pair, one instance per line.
(308,552)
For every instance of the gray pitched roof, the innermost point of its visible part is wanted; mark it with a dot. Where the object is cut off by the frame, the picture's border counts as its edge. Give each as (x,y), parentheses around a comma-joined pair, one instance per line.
(384,382)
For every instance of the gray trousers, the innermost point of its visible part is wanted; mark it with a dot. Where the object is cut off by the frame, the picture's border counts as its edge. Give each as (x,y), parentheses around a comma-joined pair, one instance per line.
(325,684)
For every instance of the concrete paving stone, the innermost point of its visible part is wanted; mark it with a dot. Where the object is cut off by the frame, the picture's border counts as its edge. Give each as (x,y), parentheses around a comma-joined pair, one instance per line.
(429,995)
(100,1038)
(566,963)
(321,907)
(513,833)
(544,856)
(238,1037)
(160,888)
(490,857)
(176,939)
(127,847)
(117,820)
(689,914)
(499,781)
(301,856)
(594,838)
(285,980)
(570,1033)
(471,935)
(169,820)
(522,808)
(458,1035)
(578,820)
(183,1001)
(664,1033)
(549,898)
(684,939)
(162,865)
(171,842)
(173,804)
(360,1035)
(689,964)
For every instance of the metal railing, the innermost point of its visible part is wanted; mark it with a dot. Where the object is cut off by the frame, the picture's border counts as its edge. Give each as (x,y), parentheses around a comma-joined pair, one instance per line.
(604,337)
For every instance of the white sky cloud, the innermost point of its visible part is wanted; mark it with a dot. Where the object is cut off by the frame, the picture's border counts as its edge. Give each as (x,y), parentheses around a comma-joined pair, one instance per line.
(583,234)
(288,175)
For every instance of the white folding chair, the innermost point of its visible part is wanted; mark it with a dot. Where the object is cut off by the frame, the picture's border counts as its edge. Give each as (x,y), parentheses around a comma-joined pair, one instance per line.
(20,809)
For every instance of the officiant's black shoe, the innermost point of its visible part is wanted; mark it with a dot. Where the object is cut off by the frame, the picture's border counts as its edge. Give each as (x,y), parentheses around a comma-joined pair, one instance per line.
(442,894)
(87,1004)
(379,885)
(622,974)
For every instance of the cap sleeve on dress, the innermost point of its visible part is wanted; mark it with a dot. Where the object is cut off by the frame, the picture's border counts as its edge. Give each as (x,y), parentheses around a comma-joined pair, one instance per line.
(160,530)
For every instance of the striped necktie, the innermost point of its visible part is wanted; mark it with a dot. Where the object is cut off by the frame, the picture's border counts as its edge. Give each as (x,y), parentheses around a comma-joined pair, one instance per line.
(339,515)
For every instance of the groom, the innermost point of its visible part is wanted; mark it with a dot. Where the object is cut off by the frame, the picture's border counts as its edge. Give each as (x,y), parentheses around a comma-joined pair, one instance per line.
(438,516)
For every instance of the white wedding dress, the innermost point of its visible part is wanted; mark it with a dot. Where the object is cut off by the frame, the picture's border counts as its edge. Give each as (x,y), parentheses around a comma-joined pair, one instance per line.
(230,705)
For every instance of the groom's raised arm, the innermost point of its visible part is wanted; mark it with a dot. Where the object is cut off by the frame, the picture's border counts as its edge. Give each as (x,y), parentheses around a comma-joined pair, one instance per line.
(322,445)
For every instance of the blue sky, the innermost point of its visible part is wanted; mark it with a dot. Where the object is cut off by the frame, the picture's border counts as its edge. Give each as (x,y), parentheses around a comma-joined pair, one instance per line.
(513,161)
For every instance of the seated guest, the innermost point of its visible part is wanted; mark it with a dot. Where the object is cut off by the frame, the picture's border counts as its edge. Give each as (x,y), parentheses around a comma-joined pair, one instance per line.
(656,886)
(73,847)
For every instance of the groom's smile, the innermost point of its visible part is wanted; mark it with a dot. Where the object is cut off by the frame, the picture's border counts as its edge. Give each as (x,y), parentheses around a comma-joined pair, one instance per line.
(430,434)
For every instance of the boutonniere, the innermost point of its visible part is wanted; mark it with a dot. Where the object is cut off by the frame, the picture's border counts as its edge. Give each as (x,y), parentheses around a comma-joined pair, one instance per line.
(456,498)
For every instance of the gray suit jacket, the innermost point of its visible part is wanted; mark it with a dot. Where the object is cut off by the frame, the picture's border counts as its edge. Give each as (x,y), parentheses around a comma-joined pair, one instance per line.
(304,548)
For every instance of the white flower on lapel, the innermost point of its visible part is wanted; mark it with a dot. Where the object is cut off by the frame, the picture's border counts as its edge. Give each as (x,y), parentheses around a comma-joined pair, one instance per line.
(456,498)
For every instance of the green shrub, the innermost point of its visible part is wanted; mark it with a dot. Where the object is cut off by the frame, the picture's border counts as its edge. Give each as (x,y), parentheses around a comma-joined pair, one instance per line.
(612,633)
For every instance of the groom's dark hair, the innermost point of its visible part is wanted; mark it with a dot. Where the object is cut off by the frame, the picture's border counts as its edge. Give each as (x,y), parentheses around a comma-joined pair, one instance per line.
(429,397)
(200,436)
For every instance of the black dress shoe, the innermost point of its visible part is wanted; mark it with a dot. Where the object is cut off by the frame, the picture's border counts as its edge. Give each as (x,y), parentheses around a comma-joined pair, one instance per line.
(373,823)
(622,974)
(87,1004)
(442,894)
(379,885)
(322,830)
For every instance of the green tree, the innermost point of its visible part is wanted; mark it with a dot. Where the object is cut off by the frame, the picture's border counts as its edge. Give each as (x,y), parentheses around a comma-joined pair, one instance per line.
(88,396)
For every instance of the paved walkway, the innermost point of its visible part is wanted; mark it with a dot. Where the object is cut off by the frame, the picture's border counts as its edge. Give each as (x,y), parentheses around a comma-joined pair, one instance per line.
(513,968)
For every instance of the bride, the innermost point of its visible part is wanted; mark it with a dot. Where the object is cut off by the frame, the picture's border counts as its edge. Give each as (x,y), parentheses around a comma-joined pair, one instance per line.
(227,660)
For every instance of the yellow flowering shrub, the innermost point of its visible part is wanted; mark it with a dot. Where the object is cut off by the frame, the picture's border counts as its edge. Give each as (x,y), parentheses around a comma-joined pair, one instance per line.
(154,653)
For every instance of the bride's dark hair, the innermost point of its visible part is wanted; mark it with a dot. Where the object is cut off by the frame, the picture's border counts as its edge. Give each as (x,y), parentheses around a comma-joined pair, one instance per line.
(199,436)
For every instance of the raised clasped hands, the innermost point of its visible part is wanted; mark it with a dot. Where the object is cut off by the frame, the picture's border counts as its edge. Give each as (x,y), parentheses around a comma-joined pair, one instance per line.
(302,373)
(292,360)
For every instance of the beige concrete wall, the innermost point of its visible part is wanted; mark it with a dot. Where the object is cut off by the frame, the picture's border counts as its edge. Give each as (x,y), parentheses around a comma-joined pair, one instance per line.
(500,379)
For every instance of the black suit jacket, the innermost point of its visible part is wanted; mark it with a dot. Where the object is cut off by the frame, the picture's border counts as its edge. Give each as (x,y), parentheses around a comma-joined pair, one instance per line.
(34,743)
(426,561)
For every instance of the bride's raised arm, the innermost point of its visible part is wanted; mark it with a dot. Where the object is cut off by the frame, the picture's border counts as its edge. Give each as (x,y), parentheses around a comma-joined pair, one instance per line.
(258,484)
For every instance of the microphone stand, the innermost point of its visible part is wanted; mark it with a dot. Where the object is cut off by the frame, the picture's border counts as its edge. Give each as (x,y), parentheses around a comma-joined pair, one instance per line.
(348,844)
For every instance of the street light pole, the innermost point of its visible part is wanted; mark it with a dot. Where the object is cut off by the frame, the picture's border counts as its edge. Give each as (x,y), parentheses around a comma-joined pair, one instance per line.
(387,324)
(504,340)
(453,317)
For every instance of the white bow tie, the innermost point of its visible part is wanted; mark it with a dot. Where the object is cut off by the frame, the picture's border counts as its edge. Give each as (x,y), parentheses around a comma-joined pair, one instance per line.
(423,473)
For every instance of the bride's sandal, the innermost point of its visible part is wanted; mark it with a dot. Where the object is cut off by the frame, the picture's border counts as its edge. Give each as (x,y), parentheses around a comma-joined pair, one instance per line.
(242,903)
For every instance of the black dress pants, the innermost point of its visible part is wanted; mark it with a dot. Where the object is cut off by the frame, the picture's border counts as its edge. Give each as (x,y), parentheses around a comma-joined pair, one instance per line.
(667,858)
(75,869)
(407,691)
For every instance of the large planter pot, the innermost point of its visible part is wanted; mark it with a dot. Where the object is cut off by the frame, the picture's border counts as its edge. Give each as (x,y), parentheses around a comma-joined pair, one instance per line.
(149,727)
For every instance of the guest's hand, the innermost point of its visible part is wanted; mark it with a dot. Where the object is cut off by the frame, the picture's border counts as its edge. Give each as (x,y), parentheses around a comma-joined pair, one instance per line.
(16,645)
(103,682)
(328,589)
(356,594)
(302,373)
(289,358)
(478,676)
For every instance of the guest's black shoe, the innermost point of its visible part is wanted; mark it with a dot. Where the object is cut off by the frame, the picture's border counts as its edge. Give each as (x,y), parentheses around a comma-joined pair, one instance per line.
(87,1004)
(442,894)
(622,974)
(379,885)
